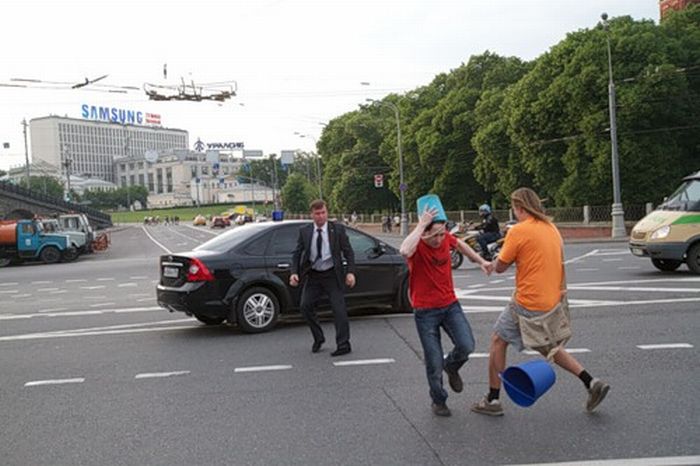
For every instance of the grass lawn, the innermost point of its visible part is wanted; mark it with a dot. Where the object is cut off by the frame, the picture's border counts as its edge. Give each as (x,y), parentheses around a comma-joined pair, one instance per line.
(185,213)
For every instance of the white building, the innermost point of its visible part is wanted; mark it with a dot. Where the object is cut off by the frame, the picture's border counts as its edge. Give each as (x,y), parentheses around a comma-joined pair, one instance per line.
(92,146)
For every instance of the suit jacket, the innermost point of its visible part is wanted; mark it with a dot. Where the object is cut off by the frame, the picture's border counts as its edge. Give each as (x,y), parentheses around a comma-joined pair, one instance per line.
(340,247)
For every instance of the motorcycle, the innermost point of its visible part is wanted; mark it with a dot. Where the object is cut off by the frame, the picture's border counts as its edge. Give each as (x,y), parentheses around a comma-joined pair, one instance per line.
(462,231)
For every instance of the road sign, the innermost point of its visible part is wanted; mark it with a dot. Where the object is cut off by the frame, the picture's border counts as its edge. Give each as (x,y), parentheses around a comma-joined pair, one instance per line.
(403,187)
(379,180)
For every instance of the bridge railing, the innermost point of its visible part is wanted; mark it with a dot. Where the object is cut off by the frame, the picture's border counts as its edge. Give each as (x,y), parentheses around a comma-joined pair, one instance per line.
(95,216)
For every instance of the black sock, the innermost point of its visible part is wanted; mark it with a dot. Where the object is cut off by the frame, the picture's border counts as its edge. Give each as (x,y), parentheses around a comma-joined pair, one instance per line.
(585,378)
(494,393)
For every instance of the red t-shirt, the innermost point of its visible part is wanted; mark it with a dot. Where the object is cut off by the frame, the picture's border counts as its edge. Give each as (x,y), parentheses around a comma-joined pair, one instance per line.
(430,275)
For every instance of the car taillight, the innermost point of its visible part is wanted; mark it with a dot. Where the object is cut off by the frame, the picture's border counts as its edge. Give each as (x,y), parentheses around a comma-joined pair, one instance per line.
(198,272)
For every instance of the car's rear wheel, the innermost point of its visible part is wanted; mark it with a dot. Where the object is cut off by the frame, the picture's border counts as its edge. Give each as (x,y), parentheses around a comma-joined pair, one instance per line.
(404,300)
(693,259)
(70,254)
(667,265)
(257,310)
(210,320)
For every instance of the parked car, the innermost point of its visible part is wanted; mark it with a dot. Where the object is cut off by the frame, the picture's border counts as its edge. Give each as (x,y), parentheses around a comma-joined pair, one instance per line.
(199,220)
(242,276)
(243,219)
(220,222)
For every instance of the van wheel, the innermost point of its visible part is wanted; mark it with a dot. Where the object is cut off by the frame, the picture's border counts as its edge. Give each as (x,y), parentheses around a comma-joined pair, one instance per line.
(50,255)
(693,259)
(667,265)
(258,310)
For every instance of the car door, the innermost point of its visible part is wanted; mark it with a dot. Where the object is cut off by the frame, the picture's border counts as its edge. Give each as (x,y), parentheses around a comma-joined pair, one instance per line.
(375,271)
(279,256)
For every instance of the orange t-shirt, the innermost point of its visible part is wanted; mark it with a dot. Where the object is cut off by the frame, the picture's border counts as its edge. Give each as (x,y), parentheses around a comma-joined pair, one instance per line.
(535,247)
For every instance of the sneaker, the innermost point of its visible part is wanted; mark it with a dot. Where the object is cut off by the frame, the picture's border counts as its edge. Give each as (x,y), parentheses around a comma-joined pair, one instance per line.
(441,410)
(455,380)
(596,394)
(490,408)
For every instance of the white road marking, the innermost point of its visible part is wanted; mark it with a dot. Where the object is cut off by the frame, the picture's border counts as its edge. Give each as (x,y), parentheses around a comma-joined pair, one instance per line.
(102,304)
(199,229)
(9,291)
(156,242)
(96,287)
(587,270)
(59,292)
(138,277)
(153,375)
(480,285)
(613,252)
(122,285)
(364,362)
(143,300)
(75,280)
(636,267)
(9,284)
(95,297)
(495,282)
(21,295)
(47,289)
(665,346)
(653,280)
(634,288)
(575,259)
(281,367)
(36,383)
(40,336)
(612,260)
(651,461)
(568,350)
(41,282)
(106,279)
(478,355)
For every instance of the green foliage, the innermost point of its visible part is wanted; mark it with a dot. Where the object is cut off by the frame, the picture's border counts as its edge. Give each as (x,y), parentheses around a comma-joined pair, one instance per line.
(47,185)
(496,123)
(297,193)
(113,199)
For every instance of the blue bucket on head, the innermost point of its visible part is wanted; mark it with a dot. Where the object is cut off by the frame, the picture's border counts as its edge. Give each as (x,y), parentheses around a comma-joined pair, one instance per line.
(431,201)
(527,381)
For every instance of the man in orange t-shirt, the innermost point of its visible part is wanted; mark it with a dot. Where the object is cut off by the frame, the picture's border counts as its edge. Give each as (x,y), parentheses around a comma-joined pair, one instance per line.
(535,246)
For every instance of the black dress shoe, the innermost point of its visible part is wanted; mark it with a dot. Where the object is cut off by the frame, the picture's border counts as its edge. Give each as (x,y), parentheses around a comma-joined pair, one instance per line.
(315,348)
(341,351)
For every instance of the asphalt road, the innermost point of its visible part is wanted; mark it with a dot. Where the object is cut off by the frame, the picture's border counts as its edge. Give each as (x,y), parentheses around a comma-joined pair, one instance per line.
(93,372)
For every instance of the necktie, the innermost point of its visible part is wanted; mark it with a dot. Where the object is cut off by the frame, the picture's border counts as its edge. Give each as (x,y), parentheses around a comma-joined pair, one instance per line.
(319,243)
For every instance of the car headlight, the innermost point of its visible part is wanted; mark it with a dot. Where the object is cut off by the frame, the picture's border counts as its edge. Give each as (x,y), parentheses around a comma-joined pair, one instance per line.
(661,233)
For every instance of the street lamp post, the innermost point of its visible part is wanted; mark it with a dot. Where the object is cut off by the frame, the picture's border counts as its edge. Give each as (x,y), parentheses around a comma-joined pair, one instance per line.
(318,162)
(402,186)
(26,151)
(618,215)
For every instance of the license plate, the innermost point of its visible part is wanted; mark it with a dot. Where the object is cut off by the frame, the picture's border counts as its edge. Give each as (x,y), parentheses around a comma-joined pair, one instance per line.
(637,252)
(171,272)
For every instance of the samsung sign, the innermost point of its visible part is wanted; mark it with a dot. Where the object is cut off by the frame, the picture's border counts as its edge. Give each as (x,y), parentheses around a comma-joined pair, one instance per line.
(112,114)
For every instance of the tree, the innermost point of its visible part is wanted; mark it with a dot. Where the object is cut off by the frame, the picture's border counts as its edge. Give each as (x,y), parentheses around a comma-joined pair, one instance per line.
(47,185)
(297,193)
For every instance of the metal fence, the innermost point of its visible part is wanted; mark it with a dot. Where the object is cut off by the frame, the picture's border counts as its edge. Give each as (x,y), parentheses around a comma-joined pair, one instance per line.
(583,215)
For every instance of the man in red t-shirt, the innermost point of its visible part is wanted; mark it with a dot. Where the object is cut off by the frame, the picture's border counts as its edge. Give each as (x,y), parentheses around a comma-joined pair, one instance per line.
(435,304)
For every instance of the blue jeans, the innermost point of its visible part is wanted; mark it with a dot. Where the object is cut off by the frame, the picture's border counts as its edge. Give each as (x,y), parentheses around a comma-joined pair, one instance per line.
(453,321)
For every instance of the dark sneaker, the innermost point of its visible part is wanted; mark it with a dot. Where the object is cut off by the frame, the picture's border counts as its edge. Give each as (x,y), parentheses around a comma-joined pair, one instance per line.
(596,394)
(490,408)
(455,380)
(441,410)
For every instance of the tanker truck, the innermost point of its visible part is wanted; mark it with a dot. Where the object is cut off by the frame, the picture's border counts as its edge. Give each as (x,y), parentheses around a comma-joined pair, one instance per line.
(22,240)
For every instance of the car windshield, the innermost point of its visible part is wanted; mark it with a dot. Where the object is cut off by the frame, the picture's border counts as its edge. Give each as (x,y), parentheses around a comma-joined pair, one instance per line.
(685,198)
(230,239)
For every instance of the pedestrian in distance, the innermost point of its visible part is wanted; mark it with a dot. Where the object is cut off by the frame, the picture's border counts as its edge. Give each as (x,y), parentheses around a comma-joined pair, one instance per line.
(535,246)
(435,305)
(318,265)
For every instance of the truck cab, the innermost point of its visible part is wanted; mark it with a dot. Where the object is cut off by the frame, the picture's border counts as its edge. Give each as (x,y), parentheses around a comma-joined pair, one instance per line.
(78,239)
(26,240)
(670,235)
(78,222)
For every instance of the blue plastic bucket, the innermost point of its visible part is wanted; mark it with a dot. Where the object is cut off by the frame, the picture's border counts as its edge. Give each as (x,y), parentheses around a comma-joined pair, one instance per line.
(527,381)
(431,201)
(277,215)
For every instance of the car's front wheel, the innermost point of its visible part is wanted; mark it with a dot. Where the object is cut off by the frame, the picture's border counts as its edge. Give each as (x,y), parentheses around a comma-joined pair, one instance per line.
(693,259)
(257,310)
(666,265)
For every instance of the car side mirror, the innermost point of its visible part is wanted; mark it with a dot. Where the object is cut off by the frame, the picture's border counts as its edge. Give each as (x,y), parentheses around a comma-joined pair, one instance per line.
(376,251)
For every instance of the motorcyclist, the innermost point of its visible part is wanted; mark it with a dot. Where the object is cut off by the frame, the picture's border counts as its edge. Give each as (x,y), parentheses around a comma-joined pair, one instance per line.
(490,231)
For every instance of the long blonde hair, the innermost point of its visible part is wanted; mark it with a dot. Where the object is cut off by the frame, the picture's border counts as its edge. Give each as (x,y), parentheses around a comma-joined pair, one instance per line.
(529,201)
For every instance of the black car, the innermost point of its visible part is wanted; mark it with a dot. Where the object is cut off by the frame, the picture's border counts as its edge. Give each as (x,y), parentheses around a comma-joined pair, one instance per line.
(242,276)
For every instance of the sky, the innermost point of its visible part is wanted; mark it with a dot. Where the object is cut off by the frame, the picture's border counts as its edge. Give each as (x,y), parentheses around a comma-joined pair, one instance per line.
(297,64)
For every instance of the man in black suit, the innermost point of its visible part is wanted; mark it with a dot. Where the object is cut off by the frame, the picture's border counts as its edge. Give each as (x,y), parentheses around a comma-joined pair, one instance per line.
(318,264)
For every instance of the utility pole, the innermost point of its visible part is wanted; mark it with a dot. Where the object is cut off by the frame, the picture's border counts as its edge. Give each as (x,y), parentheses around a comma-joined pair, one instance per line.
(128,170)
(67,162)
(26,150)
